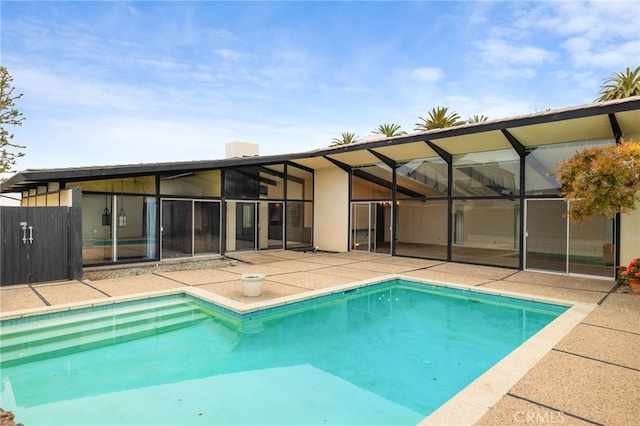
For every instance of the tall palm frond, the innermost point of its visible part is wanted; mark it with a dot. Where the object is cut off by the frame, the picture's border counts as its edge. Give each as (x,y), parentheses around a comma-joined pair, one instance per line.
(439,118)
(345,139)
(477,119)
(620,85)
(389,130)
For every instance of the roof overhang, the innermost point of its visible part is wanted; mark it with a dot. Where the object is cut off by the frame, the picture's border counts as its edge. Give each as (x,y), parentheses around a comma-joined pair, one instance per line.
(604,120)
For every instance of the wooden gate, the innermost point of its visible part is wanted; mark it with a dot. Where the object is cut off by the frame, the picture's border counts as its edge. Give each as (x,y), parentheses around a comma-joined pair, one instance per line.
(39,244)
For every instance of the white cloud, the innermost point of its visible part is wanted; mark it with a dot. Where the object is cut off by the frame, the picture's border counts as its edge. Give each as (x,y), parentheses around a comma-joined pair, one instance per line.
(586,53)
(229,54)
(427,74)
(499,51)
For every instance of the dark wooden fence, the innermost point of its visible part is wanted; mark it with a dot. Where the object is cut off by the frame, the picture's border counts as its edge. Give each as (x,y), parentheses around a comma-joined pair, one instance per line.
(40,243)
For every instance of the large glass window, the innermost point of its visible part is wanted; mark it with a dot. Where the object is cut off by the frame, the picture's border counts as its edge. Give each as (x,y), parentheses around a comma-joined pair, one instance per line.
(118,228)
(372,182)
(265,182)
(486,231)
(421,229)
(541,164)
(422,177)
(192,184)
(299,184)
(487,173)
(135,225)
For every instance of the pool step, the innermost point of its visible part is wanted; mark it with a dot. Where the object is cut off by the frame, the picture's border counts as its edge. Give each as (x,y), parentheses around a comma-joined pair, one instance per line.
(64,335)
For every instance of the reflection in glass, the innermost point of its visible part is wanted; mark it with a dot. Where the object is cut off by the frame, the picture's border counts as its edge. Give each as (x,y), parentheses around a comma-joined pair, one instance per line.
(192,184)
(266,182)
(486,173)
(541,164)
(422,178)
(372,182)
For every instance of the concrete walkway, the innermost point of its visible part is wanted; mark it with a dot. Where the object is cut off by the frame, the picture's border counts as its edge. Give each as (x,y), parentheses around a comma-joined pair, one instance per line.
(591,377)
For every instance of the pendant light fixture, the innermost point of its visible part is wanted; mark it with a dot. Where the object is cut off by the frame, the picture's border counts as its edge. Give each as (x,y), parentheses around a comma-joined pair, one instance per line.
(122,215)
(106,214)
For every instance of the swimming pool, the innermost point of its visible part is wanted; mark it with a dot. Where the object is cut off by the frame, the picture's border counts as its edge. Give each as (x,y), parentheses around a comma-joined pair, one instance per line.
(387,353)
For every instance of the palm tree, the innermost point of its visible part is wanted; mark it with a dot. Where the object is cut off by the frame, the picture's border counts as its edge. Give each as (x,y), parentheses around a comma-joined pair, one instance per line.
(389,130)
(439,118)
(347,138)
(477,119)
(620,85)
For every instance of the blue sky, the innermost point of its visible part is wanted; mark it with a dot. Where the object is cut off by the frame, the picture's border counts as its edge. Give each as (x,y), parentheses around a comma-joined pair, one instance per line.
(131,82)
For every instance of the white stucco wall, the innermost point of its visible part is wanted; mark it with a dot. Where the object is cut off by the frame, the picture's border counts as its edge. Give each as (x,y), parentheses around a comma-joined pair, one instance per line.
(629,236)
(331,210)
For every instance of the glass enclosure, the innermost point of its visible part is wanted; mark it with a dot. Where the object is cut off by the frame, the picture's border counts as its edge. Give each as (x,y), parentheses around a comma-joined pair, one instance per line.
(488,173)
(255,182)
(421,228)
(423,177)
(190,228)
(192,184)
(554,243)
(118,227)
(486,231)
(371,227)
(372,182)
(299,222)
(541,164)
(241,225)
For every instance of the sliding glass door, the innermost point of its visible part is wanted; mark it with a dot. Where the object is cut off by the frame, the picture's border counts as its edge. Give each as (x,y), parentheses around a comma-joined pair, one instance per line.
(255,225)
(371,227)
(190,228)
(554,243)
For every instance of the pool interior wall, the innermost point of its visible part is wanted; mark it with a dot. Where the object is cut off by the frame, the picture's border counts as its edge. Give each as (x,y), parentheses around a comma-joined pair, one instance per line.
(376,300)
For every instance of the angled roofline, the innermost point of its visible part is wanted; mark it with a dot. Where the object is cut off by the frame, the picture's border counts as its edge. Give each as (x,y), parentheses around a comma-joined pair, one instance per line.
(31,177)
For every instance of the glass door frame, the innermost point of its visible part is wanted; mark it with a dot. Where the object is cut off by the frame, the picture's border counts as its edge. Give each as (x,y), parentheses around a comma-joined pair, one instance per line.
(193,236)
(372,228)
(260,222)
(569,266)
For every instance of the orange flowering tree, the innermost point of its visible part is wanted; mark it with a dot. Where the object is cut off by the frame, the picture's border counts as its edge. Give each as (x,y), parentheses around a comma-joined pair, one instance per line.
(602,180)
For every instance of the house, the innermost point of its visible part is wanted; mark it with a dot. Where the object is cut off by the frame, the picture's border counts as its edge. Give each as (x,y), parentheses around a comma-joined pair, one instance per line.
(479,193)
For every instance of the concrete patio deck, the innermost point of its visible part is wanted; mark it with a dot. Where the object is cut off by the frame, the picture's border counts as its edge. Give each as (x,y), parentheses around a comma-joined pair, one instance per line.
(592,376)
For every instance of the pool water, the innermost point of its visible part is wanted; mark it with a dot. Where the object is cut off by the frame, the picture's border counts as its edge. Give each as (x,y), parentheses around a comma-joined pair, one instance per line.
(390,353)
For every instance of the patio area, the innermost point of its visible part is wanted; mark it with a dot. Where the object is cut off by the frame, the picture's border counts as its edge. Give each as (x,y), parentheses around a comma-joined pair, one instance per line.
(591,377)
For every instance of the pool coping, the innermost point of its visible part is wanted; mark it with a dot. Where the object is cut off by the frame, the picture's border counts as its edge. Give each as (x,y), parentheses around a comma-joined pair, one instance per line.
(467,406)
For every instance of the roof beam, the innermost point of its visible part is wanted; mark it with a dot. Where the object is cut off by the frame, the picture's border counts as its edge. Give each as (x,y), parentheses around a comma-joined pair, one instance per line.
(386,160)
(615,127)
(515,143)
(345,167)
(441,152)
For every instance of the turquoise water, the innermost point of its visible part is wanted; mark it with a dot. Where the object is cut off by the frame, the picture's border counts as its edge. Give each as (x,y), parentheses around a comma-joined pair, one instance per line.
(387,354)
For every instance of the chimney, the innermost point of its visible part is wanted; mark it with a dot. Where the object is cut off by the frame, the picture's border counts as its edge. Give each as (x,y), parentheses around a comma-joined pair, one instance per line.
(241,149)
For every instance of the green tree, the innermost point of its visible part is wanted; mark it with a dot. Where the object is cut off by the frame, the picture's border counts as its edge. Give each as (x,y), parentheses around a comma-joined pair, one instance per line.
(389,130)
(439,118)
(620,85)
(477,119)
(9,115)
(603,179)
(346,138)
